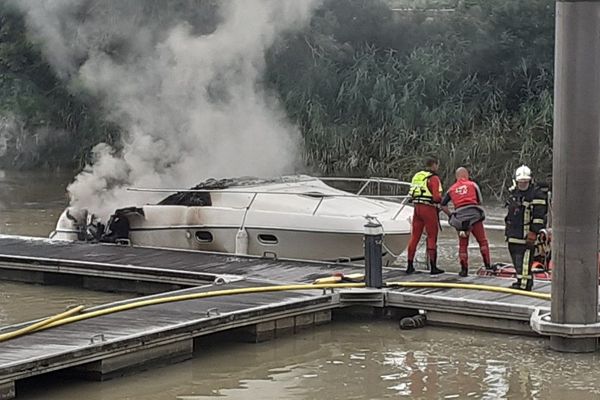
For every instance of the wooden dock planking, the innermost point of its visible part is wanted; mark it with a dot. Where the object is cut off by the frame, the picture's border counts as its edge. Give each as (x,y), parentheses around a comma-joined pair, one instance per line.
(71,345)
(168,330)
(205,265)
(256,269)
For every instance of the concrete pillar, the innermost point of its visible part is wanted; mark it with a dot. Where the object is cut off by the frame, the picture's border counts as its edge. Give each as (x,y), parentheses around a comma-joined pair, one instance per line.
(576,177)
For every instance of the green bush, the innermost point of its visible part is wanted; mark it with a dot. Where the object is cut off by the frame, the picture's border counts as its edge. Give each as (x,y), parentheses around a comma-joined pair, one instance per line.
(372,90)
(473,86)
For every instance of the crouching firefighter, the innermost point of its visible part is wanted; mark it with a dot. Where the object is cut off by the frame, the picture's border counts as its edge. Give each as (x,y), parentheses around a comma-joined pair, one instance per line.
(527,212)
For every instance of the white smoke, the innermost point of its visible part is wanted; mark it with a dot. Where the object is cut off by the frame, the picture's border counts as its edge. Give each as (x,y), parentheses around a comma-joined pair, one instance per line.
(191,104)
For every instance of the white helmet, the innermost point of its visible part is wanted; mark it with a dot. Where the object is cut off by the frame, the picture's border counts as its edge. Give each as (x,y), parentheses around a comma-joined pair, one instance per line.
(523,173)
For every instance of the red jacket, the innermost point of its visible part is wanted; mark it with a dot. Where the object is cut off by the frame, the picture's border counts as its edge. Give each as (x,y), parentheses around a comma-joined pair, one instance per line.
(463,193)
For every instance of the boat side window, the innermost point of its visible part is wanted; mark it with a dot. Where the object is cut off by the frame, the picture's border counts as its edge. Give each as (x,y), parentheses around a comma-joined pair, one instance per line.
(204,236)
(266,238)
(317,195)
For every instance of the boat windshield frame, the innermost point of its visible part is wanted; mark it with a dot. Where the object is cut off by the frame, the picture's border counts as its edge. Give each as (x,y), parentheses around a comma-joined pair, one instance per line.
(315,194)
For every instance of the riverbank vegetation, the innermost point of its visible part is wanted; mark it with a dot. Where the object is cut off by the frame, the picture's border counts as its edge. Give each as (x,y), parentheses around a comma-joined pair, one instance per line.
(43,122)
(373,91)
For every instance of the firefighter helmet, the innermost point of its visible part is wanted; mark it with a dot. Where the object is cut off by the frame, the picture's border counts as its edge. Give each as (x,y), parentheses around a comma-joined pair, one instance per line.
(523,173)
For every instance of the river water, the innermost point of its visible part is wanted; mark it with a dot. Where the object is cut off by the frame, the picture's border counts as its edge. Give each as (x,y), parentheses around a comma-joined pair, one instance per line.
(360,359)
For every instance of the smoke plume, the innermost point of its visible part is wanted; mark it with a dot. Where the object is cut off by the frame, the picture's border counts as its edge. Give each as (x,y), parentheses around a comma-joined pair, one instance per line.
(188,95)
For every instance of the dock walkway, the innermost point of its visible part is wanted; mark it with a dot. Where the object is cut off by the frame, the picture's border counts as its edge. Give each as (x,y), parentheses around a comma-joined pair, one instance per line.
(109,345)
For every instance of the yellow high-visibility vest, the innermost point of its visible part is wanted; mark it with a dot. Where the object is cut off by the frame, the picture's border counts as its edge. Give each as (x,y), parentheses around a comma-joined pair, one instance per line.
(419,191)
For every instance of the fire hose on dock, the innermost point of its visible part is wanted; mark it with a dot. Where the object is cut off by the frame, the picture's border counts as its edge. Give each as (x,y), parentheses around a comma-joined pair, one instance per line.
(80,314)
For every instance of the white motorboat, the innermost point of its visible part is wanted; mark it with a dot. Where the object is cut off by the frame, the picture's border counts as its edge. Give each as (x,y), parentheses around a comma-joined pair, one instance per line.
(298,217)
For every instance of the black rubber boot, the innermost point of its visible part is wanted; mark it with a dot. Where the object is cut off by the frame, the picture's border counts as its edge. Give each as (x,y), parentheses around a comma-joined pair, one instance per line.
(464,271)
(517,285)
(410,269)
(434,269)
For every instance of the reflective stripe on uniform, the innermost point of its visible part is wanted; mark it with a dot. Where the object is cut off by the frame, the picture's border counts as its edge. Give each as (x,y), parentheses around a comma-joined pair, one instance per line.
(525,269)
(538,202)
(538,221)
(526,219)
(423,201)
(516,241)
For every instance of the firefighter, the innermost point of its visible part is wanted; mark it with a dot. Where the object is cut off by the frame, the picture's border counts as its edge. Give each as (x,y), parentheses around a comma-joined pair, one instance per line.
(426,194)
(527,211)
(467,218)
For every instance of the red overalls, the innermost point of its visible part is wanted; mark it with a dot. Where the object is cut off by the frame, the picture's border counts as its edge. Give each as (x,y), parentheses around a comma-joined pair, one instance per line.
(466,193)
(426,217)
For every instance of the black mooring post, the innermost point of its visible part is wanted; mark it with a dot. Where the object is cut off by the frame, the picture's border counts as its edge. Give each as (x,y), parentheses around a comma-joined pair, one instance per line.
(373,261)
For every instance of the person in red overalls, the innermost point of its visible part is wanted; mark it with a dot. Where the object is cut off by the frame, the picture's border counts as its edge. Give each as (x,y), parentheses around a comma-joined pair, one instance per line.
(467,217)
(426,194)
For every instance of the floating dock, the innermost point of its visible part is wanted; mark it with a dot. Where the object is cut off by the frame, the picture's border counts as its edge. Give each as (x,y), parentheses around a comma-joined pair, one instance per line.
(113,344)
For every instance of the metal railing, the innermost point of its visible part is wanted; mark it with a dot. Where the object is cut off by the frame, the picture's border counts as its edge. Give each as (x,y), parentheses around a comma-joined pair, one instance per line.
(367,182)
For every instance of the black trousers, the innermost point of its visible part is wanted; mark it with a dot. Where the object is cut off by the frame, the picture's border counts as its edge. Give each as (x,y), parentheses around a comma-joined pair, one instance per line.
(522,258)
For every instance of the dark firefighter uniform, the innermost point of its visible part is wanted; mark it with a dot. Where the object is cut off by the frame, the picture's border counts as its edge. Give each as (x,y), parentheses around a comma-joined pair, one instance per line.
(527,211)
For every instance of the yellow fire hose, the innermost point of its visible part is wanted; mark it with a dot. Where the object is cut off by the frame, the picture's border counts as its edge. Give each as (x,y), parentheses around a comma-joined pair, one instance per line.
(62,320)
(68,317)
(359,277)
(41,324)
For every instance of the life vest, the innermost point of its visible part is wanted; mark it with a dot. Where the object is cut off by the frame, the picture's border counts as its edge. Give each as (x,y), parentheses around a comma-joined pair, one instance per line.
(419,192)
(463,193)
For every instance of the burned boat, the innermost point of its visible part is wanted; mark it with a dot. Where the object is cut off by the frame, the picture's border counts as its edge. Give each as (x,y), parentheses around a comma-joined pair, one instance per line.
(298,217)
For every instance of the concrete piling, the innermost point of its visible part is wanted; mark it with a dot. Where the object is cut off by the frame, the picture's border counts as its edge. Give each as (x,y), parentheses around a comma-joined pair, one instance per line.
(576,177)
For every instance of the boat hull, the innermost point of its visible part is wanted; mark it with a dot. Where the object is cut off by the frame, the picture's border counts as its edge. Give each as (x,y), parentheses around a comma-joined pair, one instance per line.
(269,242)
(304,219)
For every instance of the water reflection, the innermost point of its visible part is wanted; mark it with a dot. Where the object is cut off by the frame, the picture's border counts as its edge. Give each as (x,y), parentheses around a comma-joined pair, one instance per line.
(360,361)
(31,201)
(20,302)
